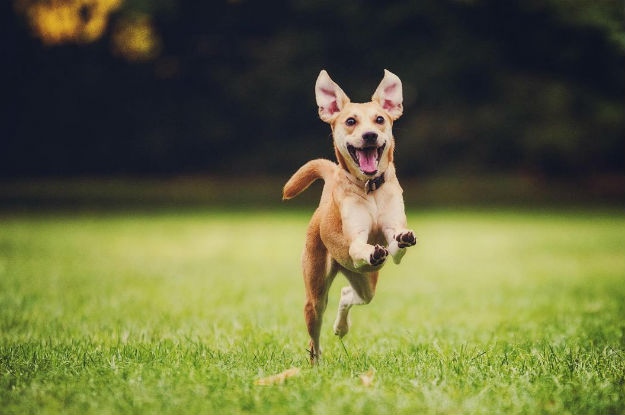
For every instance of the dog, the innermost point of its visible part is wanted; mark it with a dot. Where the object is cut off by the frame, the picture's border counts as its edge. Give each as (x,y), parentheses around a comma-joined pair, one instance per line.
(360,219)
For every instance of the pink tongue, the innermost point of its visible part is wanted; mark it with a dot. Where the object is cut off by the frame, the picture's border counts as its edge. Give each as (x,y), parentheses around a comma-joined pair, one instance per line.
(367,160)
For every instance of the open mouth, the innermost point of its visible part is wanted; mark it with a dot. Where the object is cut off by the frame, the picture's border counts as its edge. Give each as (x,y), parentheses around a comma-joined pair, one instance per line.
(367,158)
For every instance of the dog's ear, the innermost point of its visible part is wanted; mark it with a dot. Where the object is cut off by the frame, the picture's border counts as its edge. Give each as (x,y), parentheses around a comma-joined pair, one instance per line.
(330,97)
(389,95)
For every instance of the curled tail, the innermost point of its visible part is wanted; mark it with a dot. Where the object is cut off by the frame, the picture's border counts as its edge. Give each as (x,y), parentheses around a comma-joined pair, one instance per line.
(308,173)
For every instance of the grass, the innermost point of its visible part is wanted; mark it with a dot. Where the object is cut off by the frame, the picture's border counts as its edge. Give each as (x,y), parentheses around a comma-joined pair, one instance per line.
(170,311)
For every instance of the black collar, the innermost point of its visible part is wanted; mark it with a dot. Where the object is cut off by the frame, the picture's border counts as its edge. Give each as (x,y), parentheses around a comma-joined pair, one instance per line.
(372,185)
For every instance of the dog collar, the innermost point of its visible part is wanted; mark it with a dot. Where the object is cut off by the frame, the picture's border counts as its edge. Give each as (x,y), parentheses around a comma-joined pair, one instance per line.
(374,184)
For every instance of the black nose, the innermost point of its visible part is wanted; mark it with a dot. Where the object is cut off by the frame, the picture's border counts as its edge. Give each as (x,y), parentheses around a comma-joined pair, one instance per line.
(370,137)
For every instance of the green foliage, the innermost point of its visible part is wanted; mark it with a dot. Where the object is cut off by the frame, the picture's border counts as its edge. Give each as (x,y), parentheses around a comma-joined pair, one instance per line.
(489,85)
(165,312)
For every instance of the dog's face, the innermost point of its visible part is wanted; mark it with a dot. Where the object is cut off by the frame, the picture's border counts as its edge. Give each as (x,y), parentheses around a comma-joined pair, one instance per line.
(363,136)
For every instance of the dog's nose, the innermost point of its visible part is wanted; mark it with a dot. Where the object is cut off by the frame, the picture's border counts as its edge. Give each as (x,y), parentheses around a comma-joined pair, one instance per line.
(370,137)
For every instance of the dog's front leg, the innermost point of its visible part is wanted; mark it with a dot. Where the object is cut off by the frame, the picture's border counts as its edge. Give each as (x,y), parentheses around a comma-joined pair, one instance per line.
(398,240)
(393,225)
(356,228)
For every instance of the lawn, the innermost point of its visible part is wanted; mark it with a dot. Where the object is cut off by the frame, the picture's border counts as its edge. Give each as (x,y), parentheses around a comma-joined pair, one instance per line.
(169,311)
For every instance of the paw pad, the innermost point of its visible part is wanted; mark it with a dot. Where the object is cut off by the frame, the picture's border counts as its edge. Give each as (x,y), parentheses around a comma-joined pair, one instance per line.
(405,239)
(379,255)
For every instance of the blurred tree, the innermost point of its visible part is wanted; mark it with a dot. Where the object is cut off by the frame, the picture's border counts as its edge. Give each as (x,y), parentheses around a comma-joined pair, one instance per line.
(64,21)
(516,86)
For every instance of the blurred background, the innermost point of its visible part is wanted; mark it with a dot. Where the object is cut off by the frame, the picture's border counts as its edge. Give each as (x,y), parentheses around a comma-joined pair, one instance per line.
(161,101)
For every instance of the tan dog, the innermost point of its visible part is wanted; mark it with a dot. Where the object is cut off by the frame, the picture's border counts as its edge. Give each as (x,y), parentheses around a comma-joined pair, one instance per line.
(361,208)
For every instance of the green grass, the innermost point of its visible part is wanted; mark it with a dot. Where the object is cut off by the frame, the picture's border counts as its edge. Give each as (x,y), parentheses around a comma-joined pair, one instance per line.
(165,312)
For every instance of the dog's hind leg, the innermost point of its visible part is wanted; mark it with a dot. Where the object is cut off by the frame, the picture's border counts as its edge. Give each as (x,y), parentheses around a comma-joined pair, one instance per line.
(319,272)
(360,291)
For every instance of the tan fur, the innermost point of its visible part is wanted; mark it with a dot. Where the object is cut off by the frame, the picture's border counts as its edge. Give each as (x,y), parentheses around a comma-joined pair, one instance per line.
(306,175)
(351,231)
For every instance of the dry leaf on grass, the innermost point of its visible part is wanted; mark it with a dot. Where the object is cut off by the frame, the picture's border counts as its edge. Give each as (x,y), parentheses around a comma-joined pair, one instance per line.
(279,378)
(367,378)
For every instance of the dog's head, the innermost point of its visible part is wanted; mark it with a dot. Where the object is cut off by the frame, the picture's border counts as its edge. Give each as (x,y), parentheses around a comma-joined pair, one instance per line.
(363,133)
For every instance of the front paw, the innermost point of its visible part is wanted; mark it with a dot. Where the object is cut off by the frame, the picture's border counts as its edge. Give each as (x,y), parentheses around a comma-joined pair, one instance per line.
(405,239)
(378,256)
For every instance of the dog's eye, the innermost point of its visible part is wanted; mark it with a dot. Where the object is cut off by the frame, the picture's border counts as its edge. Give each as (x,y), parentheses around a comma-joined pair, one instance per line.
(379,120)
(350,121)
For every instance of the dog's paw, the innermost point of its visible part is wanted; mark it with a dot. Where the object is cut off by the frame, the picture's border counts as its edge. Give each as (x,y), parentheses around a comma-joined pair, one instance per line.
(378,256)
(315,355)
(405,239)
(341,326)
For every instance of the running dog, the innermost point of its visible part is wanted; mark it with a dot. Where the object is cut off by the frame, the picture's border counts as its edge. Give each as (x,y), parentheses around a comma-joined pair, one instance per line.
(360,219)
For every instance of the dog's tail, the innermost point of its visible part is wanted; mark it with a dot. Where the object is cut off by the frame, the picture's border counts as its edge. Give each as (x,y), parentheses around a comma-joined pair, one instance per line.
(306,175)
